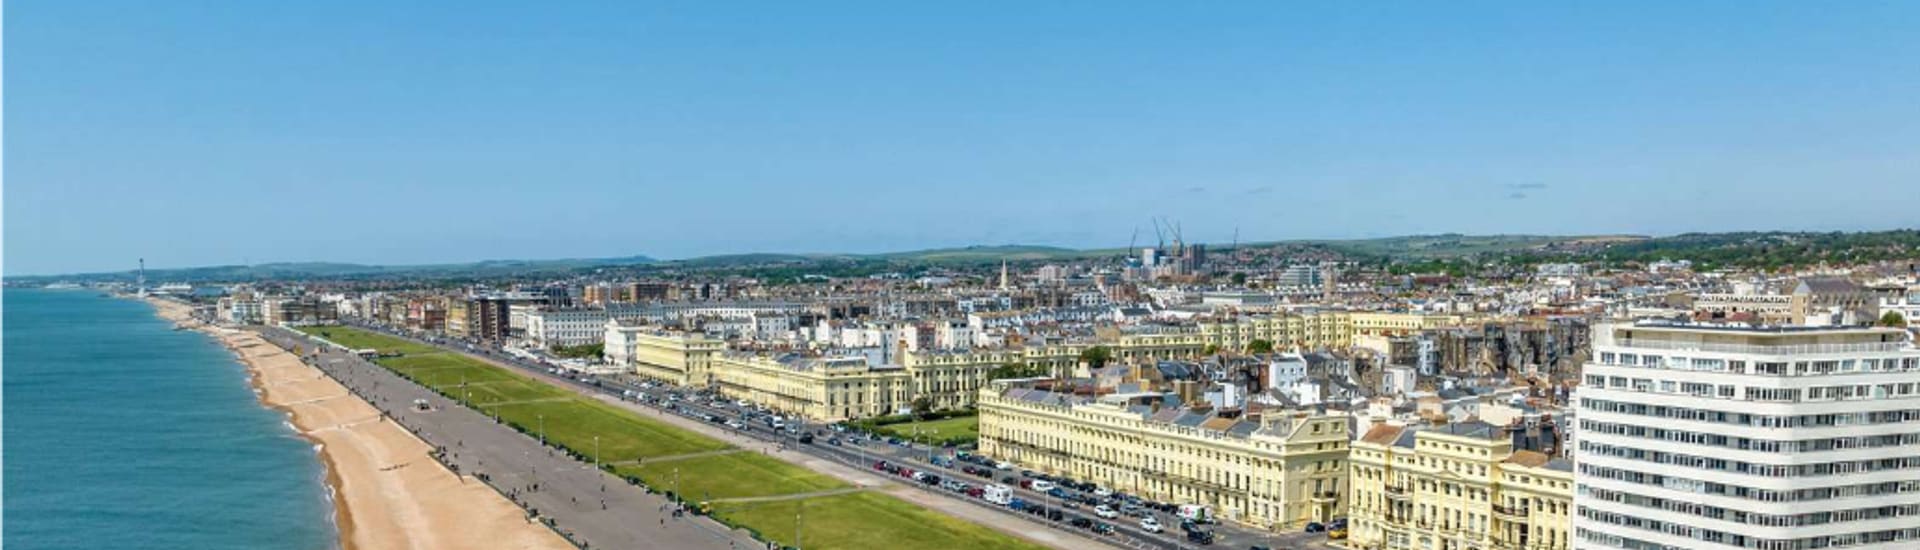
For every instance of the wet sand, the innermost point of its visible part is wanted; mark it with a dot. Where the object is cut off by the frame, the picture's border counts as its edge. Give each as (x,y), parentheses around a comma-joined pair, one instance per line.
(388,492)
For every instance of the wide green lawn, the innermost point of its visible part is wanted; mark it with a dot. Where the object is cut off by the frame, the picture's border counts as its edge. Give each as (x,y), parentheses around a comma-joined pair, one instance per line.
(856,520)
(623,436)
(733,475)
(360,339)
(962,426)
(862,520)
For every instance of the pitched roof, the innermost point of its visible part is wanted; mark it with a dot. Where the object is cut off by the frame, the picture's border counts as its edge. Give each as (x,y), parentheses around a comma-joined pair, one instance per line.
(1530,459)
(1383,434)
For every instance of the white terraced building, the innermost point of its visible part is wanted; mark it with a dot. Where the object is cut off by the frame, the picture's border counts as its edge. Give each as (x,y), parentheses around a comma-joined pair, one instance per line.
(1707,437)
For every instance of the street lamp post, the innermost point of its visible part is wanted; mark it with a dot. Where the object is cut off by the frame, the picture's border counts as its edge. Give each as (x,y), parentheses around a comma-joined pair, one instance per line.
(596,451)
(543,429)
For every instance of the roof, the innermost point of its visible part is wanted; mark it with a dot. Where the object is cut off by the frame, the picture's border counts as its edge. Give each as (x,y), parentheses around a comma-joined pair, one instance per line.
(1191,419)
(1560,465)
(1218,423)
(1472,428)
(1383,434)
(1530,459)
(1830,285)
(1243,428)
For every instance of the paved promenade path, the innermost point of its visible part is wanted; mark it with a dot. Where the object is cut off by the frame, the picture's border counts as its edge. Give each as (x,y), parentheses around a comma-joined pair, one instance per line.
(595,510)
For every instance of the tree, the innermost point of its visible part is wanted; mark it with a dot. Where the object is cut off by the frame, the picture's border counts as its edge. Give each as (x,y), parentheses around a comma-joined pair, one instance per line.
(583,351)
(1239,278)
(1014,370)
(1096,356)
(1210,349)
(922,406)
(1258,346)
(1893,319)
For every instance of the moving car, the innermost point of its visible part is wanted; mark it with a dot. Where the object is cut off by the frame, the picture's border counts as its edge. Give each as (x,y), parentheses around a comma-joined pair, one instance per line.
(1151,525)
(1105,512)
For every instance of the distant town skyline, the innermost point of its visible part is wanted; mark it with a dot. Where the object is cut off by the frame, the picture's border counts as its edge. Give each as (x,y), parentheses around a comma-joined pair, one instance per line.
(361,132)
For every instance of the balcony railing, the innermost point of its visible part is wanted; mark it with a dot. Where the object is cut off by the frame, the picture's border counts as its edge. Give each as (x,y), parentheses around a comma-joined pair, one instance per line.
(1787,349)
(1514,512)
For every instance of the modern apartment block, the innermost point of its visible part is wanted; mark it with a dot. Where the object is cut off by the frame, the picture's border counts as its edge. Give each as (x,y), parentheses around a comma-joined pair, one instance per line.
(1278,469)
(1708,437)
(1457,486)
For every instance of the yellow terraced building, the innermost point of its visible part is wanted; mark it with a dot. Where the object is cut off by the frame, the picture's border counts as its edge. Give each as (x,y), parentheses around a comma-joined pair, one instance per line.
(950,379)
(679,358)
(823,389)
(1455,487)
(1278,471)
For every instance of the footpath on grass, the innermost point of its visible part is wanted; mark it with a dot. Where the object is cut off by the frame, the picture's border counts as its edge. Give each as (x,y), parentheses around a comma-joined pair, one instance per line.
(820,510)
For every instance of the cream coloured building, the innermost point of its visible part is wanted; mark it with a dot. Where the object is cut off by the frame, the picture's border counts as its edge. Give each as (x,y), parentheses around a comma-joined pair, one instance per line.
(1455,487)
(1278,470)
(821,388)
(680,358)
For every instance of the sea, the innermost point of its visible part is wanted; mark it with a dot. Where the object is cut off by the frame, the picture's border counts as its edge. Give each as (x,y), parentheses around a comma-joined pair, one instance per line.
(120,432)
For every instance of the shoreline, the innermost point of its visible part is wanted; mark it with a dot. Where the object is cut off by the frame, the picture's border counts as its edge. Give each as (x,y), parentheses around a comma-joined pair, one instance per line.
(386,490)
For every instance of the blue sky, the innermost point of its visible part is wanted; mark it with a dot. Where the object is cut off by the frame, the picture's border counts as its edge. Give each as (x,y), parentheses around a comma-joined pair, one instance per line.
(202,133)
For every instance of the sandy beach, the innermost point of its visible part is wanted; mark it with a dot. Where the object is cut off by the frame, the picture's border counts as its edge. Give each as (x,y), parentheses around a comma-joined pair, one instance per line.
(388,492)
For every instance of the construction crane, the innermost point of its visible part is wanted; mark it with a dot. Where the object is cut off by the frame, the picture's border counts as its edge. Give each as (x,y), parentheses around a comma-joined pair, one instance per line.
(1133,240)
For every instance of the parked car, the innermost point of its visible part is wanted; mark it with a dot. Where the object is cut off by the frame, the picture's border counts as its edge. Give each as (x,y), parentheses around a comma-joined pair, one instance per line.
(1316,527)
(1105,512)
(1103,528)
(1081,522)
(1199,537)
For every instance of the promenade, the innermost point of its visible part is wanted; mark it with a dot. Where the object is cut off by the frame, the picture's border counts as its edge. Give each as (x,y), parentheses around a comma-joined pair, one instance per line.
(588,507)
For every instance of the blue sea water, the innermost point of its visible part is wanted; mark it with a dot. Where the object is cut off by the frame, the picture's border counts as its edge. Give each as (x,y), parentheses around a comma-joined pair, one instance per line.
(121,432)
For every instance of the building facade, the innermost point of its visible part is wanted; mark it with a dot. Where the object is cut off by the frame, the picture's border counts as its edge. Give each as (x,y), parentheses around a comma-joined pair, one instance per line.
(679,358)
(1456,487)
(1720,437)
(1278,471)
(820,388)
(547,328)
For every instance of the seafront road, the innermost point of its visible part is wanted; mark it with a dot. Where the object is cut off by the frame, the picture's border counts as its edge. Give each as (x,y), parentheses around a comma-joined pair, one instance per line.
(592,509)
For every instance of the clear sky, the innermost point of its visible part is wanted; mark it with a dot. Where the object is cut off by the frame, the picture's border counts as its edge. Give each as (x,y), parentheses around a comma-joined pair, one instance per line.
(203,133)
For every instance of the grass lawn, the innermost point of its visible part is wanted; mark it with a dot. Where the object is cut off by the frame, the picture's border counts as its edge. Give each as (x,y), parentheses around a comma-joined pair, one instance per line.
(623,436)
(360,339)
(863,520)
(963,426)
(735,475)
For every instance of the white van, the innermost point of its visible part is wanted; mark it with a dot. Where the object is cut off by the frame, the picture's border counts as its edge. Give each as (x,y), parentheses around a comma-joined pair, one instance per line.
(1198,513)
(1043,486)
(997,494)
